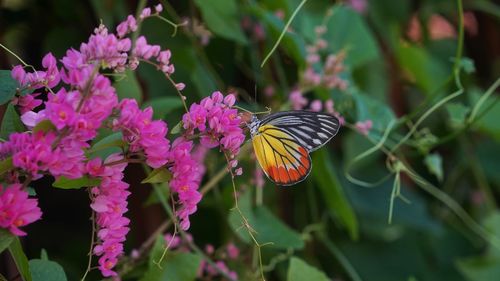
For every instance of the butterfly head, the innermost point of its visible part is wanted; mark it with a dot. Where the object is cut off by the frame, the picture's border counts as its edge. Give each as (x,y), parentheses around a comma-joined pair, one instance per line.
(253,126)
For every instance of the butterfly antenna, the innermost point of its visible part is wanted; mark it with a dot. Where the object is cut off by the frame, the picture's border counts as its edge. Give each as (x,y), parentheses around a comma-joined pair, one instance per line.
(255,93)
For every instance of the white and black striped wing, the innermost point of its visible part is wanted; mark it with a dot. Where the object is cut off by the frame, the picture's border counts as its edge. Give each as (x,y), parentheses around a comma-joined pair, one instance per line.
(311,129)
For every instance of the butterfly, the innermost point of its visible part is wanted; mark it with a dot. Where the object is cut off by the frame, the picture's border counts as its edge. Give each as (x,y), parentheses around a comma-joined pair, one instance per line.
(282,142)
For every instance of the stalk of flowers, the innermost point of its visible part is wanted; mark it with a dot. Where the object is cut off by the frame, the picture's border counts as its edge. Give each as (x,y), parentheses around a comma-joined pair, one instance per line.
(217,125)
(328,77)
(109,201)
(186,178)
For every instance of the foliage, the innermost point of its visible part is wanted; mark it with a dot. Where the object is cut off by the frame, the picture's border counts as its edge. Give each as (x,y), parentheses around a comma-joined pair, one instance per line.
(408,189)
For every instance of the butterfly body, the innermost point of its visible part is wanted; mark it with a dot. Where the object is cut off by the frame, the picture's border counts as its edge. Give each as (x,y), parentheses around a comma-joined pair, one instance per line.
(282,142)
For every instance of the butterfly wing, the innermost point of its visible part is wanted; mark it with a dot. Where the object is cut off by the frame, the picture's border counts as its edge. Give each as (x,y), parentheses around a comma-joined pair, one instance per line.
(311,129)
(280,155)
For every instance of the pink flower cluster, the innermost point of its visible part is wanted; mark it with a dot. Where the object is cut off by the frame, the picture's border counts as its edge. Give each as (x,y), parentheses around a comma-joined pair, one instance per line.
(110,203)
(142,133)
(80,104)
(217,122)
(16,209)
(30,152)
(38,79)
(206,270)
(364,127)
(334,65)
(299,101)
(186,178)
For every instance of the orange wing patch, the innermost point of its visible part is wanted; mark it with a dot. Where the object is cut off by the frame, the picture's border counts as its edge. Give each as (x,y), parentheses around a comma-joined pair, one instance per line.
(283,160)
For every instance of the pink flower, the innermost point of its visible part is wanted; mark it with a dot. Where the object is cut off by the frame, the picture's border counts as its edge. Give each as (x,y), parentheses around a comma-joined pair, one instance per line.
(211,271)
(320,30)
(364,127)
(311,78)
(258,32)
(440,28)
(106,49)
(280,14)
(297,99)
(16,209)
(269,91)
(232,251)
(158,8)
(180,86)
(218,123)
(146,12)
(129,25)
(329,106)
(144,50)
(316,105)
(172,241)
(59,111)
(38,79)
(238,171)
(27,102)
(312,58)
(359,6)
(209,249)
(321,44)
(258,178)
(31,152)
(142,133)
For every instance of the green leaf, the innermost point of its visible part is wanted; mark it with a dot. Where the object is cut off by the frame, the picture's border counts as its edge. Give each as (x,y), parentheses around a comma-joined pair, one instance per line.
(163,106)
(269,228)
(484,267)
(11,122)
(67,183)
(333,193)
(6,165)
(177,128)
(488,122)
(16,250)
(153,197)
(347,30)
(424,70)
(43,270)
(8,86)
(480,268)
(221,17)
(457,112)
(107,146)
(6,239)
(159,175)
(128,87)
(44,126)
(202,79)
(299,270)
(434,164)
(174,267)
(492,224)
(31,191)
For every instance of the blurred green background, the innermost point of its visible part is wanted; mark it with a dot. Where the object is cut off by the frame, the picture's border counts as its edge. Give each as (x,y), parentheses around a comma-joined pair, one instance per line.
(402,61)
